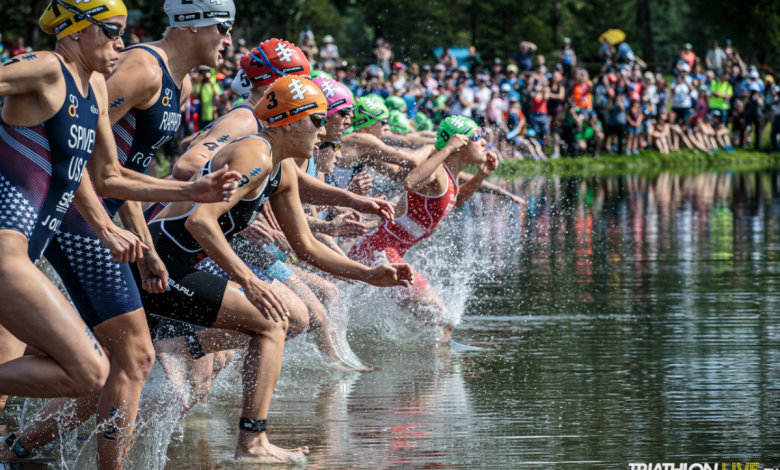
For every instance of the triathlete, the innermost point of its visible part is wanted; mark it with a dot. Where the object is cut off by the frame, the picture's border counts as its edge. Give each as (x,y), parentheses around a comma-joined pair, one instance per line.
(185,234)
(48,130)
(364,146)
(432,192)
(145,90)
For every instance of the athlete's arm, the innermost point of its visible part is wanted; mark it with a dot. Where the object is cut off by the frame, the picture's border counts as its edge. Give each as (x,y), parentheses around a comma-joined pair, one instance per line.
(112,180)
(203,225)
(124,246)
(367,144)
(410,140)
(423,174)
(225,130)
(287,207)
(343,225)
(485,169)
(153,273)
(490,188)
(314,191)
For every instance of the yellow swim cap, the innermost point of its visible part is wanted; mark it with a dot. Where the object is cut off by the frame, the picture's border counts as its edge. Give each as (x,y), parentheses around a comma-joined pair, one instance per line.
(60,20)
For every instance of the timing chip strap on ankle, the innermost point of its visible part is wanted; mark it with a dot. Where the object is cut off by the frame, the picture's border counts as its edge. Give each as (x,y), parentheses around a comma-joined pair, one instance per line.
(254,425)
(194,346)
(15,446)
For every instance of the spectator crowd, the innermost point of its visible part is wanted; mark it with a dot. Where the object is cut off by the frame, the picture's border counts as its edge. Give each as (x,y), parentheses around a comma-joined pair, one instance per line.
(533,106)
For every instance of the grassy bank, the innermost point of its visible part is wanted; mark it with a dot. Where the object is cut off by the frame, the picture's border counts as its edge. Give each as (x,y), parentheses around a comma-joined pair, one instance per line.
(648,162)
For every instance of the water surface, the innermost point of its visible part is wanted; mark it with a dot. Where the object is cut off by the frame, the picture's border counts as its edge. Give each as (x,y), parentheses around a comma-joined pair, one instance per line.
(622,319)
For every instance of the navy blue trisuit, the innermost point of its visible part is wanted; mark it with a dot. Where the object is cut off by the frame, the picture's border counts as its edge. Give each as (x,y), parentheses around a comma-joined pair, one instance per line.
(41,167)
(100,287)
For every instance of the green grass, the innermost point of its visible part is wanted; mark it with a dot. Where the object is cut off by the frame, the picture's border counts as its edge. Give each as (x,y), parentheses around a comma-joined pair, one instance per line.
(648,162)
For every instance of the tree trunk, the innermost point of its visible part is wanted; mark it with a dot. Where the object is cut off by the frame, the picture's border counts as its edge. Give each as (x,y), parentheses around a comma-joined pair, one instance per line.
(645,22)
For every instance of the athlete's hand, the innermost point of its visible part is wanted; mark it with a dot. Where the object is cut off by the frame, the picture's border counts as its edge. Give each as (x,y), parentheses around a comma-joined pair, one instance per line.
(281,242)
(345,225)
(383,209)
(266,300)
(361,184)
(485,169)
(125,247)
(259,233)
(456,142)
(217,186)
(154,276)
(391,275)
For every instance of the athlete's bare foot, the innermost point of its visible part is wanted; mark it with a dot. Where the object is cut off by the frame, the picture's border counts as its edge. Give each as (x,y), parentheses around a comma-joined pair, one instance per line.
(257,449)
(446,335)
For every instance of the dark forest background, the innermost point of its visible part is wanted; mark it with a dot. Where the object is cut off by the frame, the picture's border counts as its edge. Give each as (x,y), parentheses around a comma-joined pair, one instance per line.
(656,28)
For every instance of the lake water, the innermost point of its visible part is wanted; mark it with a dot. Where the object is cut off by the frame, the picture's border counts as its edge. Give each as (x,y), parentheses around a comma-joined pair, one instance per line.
(621,320)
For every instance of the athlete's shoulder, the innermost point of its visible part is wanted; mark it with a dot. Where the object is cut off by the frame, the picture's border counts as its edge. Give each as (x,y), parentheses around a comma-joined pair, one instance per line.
(247,148)
(139,64)
(37,65)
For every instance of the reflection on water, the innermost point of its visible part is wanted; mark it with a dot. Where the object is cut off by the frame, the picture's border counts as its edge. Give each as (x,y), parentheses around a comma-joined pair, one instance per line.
(625,319)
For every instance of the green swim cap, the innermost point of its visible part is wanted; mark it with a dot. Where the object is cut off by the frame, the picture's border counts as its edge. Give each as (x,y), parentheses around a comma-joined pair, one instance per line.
(440,103)
(399,122)
(349,130)
(423,122)
(321,74)
(395,103)
(369,109)
(454,125)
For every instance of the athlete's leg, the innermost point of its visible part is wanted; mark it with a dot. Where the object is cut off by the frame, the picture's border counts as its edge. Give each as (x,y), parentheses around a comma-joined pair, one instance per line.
(36,313)
(326,291)
(127,340)
(262,364)
(10,348)
(57,417)
(428,306)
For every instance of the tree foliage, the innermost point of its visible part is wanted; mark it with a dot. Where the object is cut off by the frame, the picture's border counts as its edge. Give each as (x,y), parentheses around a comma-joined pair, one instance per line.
(655,28)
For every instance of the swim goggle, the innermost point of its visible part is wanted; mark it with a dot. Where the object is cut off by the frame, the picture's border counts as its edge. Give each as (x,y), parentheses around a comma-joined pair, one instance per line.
(318,120)
(111,31)
(225,27)
(336,146)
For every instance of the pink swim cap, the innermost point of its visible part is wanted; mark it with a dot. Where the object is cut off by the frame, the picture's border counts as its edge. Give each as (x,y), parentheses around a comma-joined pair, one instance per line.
(338,95)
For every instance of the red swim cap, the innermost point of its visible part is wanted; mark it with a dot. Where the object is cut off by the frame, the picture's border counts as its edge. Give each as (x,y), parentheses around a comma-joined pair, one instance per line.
(272,59)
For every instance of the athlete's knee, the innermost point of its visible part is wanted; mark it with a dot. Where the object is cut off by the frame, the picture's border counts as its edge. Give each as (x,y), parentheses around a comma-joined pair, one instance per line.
(298,322)
(138,365)
(89,374)
(330,294)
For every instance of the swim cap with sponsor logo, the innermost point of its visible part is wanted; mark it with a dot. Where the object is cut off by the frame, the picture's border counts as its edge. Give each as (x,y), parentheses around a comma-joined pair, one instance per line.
(339,97)
(290,99)
(272,59)
(187,13)
(454,125)
(368,110)
(61,17)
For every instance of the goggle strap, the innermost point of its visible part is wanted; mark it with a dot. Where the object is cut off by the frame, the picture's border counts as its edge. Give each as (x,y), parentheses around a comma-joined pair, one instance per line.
(266,62)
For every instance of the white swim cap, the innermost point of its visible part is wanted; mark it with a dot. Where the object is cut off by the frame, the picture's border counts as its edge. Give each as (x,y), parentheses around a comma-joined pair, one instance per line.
(241,85)
(199,12)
